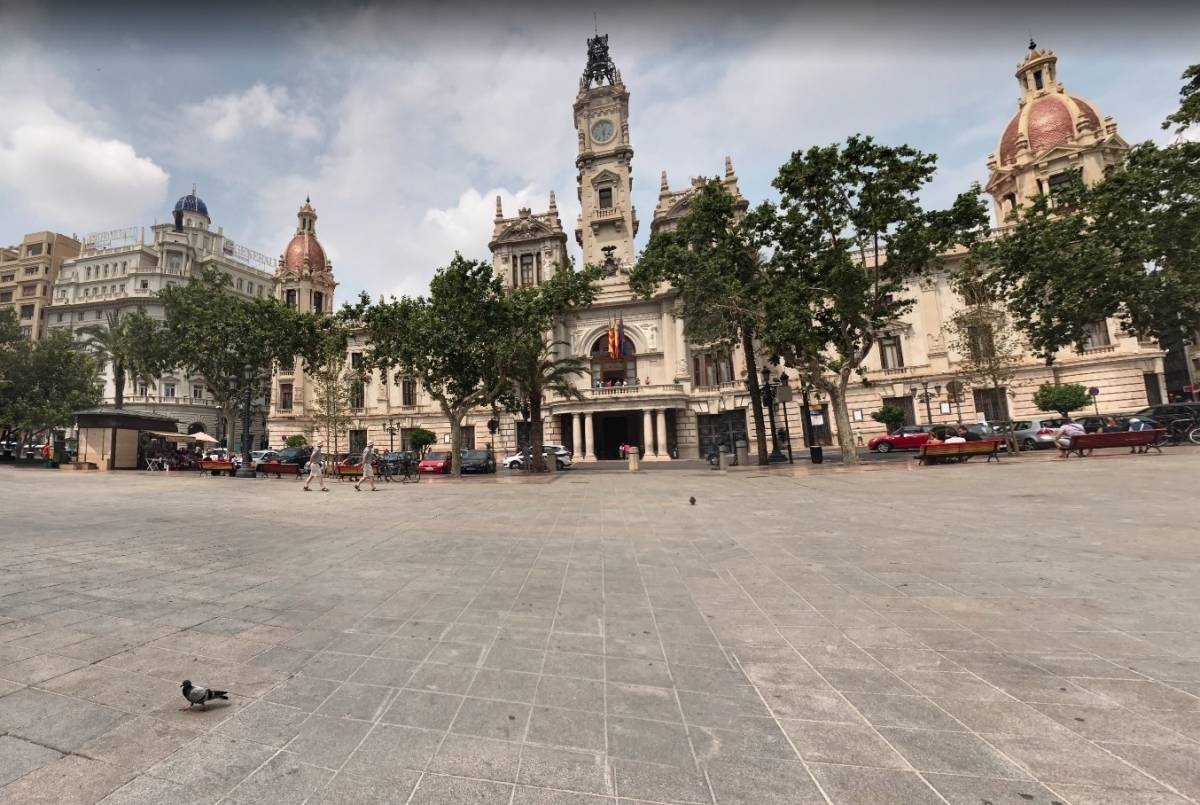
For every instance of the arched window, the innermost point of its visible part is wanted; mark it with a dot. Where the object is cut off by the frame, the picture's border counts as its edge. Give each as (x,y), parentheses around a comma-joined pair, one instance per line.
(607,370)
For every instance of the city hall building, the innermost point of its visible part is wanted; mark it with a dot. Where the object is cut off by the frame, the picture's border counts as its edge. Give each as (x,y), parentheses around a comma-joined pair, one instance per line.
(676,399)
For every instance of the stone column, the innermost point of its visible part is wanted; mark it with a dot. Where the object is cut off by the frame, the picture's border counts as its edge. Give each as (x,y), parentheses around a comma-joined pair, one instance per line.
(589,438)
(577,434)
(666,342)
(661,452)
(647,432)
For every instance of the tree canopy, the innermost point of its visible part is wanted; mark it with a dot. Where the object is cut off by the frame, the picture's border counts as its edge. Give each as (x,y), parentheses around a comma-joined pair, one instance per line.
(230,340)
(711,260)
(454,341)
(132,344)
(42,383)
(1061,397)
(848,237)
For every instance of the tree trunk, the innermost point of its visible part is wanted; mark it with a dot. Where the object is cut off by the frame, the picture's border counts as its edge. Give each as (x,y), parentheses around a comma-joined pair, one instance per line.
(536,434)
(229,411)
(118,385)
(755,397)
(845,431)
(455,442)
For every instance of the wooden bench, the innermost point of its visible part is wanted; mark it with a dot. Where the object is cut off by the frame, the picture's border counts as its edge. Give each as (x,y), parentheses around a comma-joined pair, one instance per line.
(347,470)
(959,451)
(279,470)
(1123,438)
(216,467)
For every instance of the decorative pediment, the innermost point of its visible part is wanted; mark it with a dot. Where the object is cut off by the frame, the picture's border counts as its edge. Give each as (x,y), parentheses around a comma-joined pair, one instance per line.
(525,229)
(606,177)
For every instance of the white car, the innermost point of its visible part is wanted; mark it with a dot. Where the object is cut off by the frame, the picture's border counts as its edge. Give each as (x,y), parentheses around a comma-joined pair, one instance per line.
(562,456)
(262,457)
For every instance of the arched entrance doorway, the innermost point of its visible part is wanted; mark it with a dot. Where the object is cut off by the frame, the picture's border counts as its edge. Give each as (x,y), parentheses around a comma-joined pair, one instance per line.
(614,371)
(197,427)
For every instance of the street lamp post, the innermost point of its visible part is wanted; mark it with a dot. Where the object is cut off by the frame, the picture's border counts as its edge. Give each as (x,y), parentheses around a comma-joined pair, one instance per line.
(816,453)
(247,470)
(922,393)
(389,427)
(784,394)
(768,397)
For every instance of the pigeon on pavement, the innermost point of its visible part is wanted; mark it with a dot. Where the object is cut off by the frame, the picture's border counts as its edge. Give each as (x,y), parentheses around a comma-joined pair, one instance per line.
(692,500)
(197,694)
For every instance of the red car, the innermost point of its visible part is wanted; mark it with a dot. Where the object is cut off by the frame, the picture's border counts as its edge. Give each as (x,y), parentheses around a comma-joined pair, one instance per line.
(909,437)
(435,462)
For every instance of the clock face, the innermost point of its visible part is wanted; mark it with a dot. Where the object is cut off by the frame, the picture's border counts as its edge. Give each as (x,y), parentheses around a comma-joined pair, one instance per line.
(602,131)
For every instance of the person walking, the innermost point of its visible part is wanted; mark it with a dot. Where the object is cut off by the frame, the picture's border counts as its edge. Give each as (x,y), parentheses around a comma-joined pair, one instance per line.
(368,469)
(316,468)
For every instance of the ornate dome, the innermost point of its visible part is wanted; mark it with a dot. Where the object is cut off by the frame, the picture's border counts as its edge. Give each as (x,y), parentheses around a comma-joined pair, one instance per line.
(1048,116)
(192,203)
(304,251)
(1046,122)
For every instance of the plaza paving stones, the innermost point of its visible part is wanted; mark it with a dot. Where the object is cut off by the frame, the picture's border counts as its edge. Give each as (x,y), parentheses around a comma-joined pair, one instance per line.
(1027,633)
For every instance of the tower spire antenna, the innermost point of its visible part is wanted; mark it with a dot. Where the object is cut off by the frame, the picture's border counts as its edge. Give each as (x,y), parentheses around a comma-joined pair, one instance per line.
(595,23)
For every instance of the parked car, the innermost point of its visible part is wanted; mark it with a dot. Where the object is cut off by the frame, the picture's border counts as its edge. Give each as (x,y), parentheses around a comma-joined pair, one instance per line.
(908,437)
(262,457)
(436,462)
(216,454)
(295,455)
(562,458)
(1173,412)
(477,461)
(1035,434)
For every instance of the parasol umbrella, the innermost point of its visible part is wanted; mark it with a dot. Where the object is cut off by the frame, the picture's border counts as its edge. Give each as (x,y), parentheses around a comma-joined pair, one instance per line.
(204,437)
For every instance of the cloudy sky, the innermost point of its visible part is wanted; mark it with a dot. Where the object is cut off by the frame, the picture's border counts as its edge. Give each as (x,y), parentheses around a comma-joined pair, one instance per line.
(403,122)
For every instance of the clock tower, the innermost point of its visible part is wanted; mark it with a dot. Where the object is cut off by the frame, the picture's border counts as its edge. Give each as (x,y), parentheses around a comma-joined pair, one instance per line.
(607,221)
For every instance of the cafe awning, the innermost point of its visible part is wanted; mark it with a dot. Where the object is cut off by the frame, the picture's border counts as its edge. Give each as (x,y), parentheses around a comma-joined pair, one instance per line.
(171,437)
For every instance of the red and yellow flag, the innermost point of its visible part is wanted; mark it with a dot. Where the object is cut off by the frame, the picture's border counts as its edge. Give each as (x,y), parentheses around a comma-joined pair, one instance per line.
(614,348)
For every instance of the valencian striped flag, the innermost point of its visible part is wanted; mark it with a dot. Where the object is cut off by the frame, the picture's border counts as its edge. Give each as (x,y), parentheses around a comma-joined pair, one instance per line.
(616,337)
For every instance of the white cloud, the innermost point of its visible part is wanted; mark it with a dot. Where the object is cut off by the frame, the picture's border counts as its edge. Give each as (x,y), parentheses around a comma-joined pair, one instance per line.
(66,177)
(226,118)
(59,165)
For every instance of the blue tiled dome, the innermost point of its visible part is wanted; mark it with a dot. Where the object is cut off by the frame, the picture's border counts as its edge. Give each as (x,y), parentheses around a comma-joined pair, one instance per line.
(192,203)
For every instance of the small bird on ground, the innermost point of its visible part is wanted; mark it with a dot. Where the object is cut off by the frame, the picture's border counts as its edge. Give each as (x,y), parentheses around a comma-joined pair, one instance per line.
(692,500)
(196,694)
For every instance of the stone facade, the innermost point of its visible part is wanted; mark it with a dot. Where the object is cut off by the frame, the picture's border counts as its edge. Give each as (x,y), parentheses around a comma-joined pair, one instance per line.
(28,272)
(676,399)
(122,272)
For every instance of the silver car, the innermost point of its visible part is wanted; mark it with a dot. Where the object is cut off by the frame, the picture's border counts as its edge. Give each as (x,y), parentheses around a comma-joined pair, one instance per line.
(1034,434)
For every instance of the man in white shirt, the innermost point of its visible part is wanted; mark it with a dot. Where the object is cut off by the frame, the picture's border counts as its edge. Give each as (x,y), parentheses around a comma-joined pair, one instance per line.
(1066,432)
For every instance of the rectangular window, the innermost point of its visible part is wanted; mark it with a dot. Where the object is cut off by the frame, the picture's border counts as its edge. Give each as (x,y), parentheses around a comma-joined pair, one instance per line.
(992,404)
(29,290)
(318,302)
(1059,181)
(606,198)
(197,392)
(239,283)
(905,404)
(356,360)
(1037,79)
(59,319)
(33,249)
(26,312)
(357,395)
(468,437)
(981,340)
(1097,336)
(7,277)
(285,396)
(169,390)
(890,354)
(97,315)
(1153,391)
(142,390)
(289,298)
(6,296)
(527,277)
(145,284)
(31,271)
(408,391)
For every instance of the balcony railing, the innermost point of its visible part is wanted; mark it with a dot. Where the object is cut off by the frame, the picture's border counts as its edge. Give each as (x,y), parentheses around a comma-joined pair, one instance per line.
(152,399)
(607,212)
(608,392)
